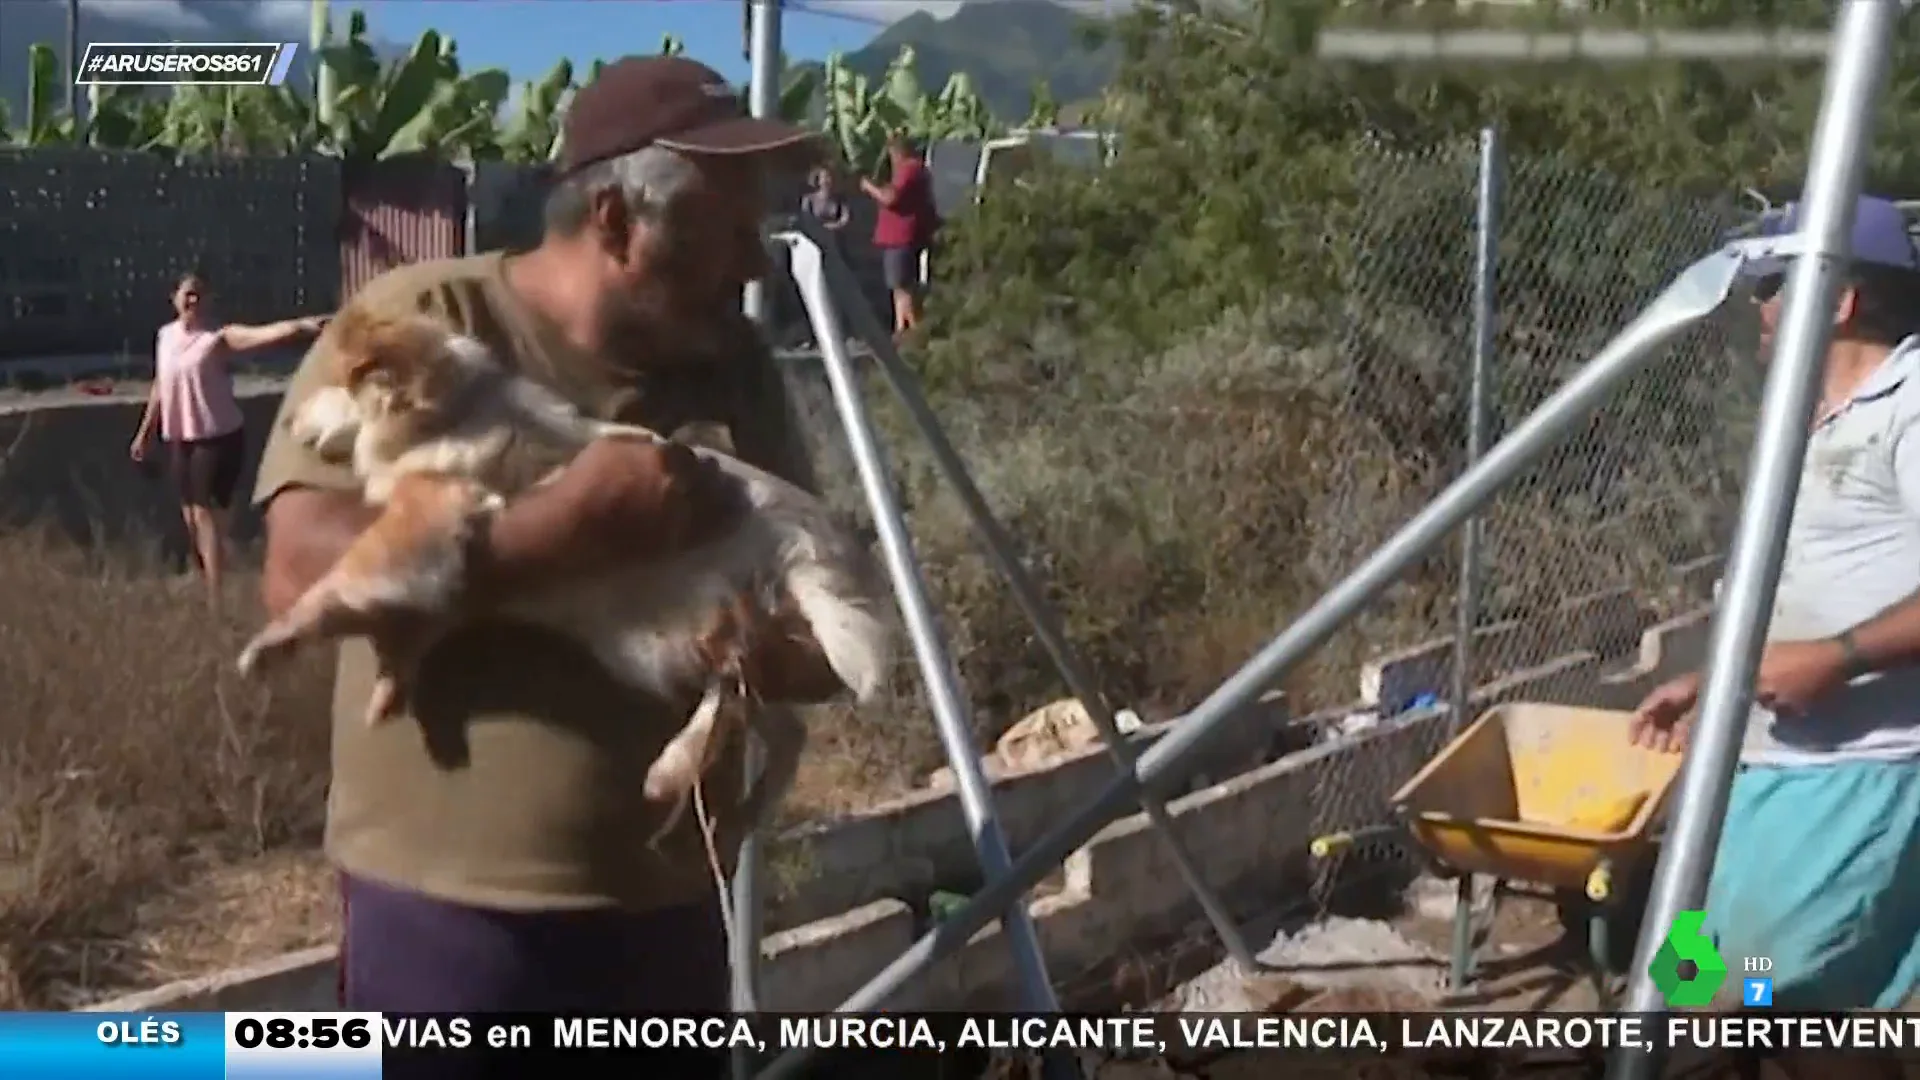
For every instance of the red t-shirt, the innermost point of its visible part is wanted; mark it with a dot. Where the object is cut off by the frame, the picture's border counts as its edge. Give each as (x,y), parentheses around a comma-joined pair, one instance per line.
(910,221)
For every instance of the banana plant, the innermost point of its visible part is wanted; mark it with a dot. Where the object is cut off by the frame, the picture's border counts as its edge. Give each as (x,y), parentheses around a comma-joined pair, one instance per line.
(534,133)
(798,89)
(1042,110)
(282,119)
(319,36)
(860,117)
(959,112)
(124,118)
(852,122)
(421,103)
(45,122)
(117,117)
(231,120)
(198,120)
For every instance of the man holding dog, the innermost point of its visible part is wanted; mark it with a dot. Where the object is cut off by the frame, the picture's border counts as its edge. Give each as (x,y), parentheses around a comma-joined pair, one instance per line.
(1819,863)
(493,844)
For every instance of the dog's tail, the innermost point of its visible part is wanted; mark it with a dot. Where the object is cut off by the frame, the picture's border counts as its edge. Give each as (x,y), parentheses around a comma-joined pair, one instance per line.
(846,622)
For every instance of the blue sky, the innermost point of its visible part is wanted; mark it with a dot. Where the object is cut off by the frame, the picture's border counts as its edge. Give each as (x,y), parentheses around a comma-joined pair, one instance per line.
(528,36)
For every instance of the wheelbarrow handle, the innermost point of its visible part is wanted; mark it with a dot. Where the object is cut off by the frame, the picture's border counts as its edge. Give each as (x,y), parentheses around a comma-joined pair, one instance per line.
(1599,884)
(1331,844)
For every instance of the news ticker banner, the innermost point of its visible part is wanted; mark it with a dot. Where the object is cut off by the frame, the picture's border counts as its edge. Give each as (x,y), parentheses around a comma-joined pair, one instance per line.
(262,63)
(365,1046)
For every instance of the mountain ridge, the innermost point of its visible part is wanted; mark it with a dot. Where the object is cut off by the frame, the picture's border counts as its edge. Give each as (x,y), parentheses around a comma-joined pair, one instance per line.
(1003,47)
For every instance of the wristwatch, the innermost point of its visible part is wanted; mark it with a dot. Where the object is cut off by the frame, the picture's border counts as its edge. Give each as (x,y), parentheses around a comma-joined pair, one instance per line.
(1855,663)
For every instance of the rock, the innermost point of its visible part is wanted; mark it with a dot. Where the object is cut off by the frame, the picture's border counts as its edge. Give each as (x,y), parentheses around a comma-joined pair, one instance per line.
(1042,736)
(1047,733)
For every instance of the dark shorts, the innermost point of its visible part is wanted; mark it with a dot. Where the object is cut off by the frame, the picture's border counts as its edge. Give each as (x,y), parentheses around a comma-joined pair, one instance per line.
(206,472)
(404,952)
(901,265)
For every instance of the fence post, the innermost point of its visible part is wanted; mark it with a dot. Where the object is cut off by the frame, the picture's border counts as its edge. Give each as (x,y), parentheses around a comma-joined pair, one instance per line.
(763,91)
(1486,316)
(763,99)
(1486,233)
(471,224)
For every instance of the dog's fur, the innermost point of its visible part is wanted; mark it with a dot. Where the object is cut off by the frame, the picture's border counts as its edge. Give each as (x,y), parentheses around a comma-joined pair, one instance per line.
(440,435)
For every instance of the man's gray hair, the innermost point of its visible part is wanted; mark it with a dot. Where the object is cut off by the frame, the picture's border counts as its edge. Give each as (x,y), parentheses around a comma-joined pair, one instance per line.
(649,179)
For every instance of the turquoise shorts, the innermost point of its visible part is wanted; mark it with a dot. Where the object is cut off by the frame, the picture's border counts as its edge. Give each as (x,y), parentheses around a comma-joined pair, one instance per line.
(1819,871)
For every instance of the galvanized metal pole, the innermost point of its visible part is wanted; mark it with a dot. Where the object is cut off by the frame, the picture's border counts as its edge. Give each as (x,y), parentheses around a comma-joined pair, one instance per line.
(1004,553)
(942,682)
(763,100)
(319,33)
(1856,71)
(1698,293)
(73,62)
(1486,239)
(1466,610)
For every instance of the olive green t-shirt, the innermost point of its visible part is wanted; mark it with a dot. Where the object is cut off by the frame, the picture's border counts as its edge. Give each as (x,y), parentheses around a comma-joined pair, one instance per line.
(516,781)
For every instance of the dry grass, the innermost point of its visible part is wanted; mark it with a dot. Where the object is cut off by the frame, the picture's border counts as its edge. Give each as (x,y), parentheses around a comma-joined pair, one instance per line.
(133,762)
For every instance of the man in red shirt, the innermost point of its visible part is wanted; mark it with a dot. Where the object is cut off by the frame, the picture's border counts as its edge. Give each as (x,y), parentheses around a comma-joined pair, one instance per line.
(905,229)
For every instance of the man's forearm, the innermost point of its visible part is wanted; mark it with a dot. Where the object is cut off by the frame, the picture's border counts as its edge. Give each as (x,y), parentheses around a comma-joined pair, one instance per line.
(1890,639)
(307,531)
(522,546)
(534,543)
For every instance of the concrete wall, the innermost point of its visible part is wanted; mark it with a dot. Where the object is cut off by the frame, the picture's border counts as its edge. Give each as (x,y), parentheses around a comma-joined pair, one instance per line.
(905,848)
(68,464)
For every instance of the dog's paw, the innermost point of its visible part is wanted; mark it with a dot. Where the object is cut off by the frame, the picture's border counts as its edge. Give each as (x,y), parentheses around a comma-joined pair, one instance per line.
(671,822)
(328,422)
(268,647)
(689,754)
(387,700)
(671,776)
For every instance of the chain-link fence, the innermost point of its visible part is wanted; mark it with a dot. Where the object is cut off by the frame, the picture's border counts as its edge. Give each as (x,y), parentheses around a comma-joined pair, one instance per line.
(1181,506)
(1581,553)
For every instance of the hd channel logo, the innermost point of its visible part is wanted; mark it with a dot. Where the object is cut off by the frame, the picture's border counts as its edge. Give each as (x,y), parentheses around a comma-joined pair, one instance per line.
(1756,991)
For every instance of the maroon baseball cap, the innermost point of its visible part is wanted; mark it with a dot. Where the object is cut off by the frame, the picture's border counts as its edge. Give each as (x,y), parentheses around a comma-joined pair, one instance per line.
(668,101)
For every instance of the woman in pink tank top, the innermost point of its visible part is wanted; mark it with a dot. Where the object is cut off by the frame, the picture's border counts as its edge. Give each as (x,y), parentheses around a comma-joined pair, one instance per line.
(193,408)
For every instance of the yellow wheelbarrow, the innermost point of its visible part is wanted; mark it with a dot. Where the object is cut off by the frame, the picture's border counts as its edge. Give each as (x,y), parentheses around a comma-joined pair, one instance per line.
(1548,795)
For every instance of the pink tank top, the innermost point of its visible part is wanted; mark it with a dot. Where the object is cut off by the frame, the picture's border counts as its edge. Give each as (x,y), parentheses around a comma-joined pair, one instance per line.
(193,386)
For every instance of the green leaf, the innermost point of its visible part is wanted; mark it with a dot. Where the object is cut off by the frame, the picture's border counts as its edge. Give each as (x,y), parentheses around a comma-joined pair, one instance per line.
(796,97)
(417,85)
(43,120)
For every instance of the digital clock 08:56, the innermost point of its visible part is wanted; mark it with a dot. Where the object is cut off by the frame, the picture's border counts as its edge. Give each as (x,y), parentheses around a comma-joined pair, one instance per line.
(345,1045)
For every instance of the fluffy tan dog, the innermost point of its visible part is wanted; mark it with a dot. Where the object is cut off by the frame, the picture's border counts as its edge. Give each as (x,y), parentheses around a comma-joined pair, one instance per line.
(440,435)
